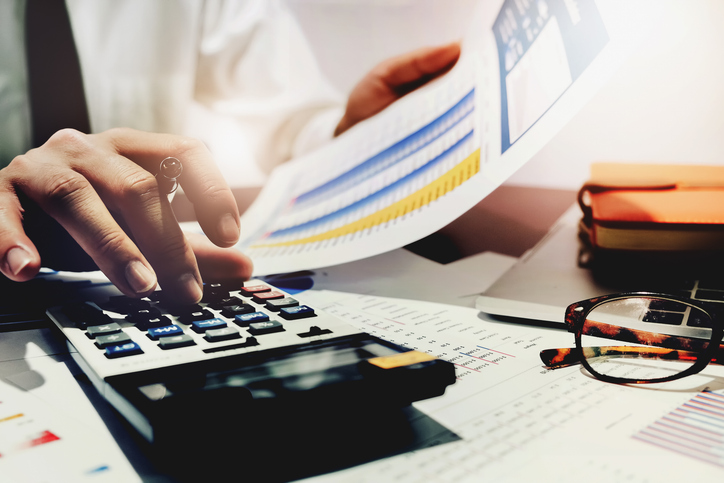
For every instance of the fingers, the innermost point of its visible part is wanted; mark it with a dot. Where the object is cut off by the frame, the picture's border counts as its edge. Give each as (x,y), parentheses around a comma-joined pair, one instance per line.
(71,200)
(19,260)
(424,63)
(91,183)
(201,179)
(394,78)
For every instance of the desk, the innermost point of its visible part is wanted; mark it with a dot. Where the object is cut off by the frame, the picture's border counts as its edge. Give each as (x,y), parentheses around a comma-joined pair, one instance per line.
(522,212)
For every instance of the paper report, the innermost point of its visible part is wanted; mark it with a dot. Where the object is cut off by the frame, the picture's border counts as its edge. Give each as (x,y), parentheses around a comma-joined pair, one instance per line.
(526,68)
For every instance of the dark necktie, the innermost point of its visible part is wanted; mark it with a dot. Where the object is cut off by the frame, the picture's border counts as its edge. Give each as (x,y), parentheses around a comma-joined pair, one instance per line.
(55,84)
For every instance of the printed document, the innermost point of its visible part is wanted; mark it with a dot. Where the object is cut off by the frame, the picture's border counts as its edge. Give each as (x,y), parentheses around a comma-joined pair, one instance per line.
(526,68)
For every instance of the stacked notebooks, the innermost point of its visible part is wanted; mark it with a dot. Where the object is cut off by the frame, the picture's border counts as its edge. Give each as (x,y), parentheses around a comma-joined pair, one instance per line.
(649,209)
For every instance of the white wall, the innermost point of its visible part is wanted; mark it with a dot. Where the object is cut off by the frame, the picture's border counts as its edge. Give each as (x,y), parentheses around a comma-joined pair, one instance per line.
(350,37)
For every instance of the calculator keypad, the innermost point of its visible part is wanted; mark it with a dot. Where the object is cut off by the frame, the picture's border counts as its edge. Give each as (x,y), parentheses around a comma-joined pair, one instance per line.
(242,318)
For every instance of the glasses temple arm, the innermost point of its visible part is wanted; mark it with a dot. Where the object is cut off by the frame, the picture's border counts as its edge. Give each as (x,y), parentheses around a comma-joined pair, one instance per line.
(557,358)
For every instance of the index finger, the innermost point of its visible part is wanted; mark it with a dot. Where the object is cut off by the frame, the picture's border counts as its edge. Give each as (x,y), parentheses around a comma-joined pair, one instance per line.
(203,183)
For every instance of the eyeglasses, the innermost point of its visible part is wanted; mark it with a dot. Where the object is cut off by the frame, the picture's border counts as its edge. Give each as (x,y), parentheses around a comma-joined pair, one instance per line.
(641,337)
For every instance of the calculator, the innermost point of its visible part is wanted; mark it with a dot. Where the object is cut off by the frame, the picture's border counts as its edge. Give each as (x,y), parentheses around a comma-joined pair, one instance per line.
(249,358)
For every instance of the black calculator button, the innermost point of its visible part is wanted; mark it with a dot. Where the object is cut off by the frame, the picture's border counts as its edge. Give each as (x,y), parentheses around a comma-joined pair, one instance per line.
(144,315)
(105,329)
(232,311)
(225,333)
(175,341)
(85,314)
(181,310)
(268,327)
(126,305)
(162,321)
(195,316)
(226,302)
(103,341)
(213,292)
(275,305)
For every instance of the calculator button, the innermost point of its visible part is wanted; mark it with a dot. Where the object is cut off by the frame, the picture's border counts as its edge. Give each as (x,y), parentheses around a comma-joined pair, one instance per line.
(143,315)
(162,321)
(275,305)
(268,327)
(299,312)
(261,298)
(103,341)
(181,309)
(174,341)
(233,310)
(253,289)
(105,329)
(245,319)
(166,331)
(225,333)
(226,302)
(213,292)
(126,305)
(196,315)
(201,326)
(122,350)
(85,314)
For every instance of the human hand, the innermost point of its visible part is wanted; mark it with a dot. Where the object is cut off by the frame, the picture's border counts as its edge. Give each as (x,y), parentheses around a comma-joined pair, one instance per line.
(393,79)
(93,185)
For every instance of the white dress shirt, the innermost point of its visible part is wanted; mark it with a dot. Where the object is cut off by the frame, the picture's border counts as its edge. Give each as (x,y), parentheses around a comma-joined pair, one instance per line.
(239,74)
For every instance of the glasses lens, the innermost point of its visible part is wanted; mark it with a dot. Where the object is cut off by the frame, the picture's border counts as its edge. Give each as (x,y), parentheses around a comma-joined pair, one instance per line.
(644,339)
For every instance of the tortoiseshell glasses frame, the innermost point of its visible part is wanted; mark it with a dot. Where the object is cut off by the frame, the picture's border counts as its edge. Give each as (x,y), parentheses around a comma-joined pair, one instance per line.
(697,341)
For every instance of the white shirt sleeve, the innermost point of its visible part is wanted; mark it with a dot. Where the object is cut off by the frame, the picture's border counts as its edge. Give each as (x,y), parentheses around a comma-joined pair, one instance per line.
(256,67)
(238,74)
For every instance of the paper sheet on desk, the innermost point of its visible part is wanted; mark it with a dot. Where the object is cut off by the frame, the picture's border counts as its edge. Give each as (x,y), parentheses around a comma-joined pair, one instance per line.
(521,422)
(55,440)
(525,69)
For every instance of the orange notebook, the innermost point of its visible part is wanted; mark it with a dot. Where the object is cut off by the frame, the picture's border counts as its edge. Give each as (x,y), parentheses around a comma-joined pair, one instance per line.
(653,208)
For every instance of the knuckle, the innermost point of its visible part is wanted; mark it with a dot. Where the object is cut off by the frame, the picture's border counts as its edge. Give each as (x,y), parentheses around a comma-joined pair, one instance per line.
(19,163)
(140,184)
(69,140)
(110,244)
(174,247)
(66,187)
(212,191)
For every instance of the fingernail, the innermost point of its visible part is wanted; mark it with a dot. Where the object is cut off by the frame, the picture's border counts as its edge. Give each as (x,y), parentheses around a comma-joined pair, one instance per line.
(228,229)
(16,259)
(139,277)
(188,283)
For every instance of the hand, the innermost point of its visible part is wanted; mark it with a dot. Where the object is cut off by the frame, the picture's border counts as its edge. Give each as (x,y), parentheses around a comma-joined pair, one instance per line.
(393,79)
(90,186)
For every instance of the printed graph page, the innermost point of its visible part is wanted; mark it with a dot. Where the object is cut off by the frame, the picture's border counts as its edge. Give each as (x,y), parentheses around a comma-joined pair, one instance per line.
(525,69)
(522,422)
